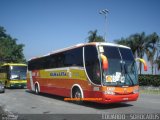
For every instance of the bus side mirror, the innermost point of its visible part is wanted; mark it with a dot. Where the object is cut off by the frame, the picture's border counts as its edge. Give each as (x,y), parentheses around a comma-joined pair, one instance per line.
(104,62)
(144,63)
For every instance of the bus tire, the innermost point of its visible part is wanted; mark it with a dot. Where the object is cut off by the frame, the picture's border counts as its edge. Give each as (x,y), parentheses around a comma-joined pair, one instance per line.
(77,95)
(36,89)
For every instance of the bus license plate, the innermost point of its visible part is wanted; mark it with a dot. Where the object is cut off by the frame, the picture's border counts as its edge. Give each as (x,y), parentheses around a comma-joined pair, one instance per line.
(125,98)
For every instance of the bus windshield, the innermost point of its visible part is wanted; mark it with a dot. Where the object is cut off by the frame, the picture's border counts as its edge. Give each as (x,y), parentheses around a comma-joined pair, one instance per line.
(18,72)
(122,69)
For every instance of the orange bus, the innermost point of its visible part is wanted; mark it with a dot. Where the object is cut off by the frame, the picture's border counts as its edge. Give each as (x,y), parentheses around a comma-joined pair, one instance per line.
(92,70)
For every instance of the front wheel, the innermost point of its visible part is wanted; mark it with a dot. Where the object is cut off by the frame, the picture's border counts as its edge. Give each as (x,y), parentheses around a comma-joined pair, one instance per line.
(78,96)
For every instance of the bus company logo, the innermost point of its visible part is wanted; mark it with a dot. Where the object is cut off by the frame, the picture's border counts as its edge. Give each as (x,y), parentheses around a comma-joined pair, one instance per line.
(56,74)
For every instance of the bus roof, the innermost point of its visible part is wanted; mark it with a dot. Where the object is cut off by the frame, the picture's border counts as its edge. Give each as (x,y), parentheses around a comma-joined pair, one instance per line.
(14,64)
(81,45)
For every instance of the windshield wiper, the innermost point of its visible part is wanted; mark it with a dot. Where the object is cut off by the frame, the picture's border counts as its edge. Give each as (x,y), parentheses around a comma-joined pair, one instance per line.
(126,72)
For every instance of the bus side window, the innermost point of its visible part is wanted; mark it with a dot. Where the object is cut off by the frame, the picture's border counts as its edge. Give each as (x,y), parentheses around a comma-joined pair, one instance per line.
(60,60)
(74,57)
(51,62)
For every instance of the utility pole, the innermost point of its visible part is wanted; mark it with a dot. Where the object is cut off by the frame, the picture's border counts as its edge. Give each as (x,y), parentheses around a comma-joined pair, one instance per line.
(104,12)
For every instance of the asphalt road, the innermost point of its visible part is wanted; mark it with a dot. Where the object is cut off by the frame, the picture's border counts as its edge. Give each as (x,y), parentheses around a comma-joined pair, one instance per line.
(28,106)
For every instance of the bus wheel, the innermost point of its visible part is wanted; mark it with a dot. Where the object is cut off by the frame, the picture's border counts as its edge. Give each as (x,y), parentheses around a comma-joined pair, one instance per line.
(77,95)
(36,89)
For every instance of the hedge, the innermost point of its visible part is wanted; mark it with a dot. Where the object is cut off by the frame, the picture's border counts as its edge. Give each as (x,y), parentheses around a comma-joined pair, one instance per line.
(149,80)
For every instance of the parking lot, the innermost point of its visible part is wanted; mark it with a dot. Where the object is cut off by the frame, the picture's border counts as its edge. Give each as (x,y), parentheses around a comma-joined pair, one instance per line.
(26,103)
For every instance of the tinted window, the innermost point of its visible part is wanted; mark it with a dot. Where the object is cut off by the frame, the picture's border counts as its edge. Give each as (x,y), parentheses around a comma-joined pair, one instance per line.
(122,71)
(74,57)
(18,68)
(126,54)
(64,59)
(60,58)
(51,61)
(92,64)
(111,52)
(36,64)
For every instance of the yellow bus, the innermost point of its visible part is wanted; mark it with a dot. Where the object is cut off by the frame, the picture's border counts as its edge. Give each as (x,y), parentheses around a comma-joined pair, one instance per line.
(100,72)
(13,75)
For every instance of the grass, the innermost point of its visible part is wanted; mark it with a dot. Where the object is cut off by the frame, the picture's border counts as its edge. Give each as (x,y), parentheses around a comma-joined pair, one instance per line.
(146,91)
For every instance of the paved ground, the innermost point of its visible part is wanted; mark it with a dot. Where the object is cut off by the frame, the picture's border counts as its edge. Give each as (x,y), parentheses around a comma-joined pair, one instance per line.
(28,105)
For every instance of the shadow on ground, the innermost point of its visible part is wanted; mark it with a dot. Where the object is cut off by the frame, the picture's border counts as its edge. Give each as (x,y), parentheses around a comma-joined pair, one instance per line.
(86,104)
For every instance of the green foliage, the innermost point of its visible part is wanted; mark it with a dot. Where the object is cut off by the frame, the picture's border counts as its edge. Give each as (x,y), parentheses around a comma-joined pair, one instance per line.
(93,37)
(10,51)
(157,61)
(142,44)
(149,80)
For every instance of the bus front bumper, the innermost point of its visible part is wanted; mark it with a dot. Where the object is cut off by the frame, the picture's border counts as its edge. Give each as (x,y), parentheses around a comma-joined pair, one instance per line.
(17,85)
(112,98)
(119,98)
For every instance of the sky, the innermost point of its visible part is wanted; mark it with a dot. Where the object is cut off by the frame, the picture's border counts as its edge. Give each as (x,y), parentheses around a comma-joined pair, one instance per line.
(47,25)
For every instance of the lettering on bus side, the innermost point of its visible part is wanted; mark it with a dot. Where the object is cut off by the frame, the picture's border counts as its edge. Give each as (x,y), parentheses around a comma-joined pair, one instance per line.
(54,74)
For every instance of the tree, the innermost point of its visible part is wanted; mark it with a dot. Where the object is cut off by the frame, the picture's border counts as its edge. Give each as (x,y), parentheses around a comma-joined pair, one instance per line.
(2,32)
(142,44)
(152,41)
(93,37)
(157,61)
(10,51)
(130,42)
(139,44)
